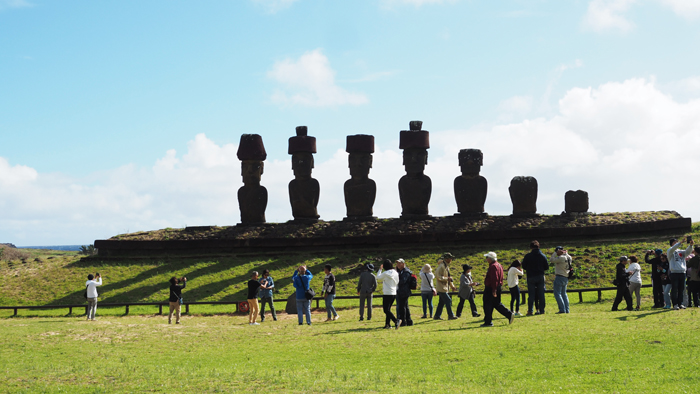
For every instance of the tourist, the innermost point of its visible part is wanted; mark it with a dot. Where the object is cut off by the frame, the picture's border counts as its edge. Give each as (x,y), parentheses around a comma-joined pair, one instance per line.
(677,268)
(622,283)
(562,266)
(444,285)
(535,264)
(635,274)
(694,281)
(176,298)
(390,281)
(466,291)
(301,280)
(427,290)
(515,272)
(403,312)
(329,293)
(662,268)
(365,287)
(492,291)
(253,307)
(267,286)
(91,293)
(656,286)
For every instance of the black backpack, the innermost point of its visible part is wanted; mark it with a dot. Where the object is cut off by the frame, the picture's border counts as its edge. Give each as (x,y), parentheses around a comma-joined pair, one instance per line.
(412,282)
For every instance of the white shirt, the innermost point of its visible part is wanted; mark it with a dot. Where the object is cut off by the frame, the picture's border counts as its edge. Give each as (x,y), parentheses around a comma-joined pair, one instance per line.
(513,279)
(636,271)
(92,287)
(390,281)
(426,285)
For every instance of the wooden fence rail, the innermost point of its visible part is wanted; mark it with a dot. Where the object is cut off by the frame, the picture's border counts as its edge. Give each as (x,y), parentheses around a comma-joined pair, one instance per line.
(160,305)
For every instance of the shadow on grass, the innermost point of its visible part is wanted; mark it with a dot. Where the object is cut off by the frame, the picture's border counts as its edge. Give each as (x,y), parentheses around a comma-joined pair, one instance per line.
(640,315)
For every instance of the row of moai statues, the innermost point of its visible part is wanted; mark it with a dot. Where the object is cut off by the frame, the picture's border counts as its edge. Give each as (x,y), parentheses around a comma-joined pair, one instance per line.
(415,188)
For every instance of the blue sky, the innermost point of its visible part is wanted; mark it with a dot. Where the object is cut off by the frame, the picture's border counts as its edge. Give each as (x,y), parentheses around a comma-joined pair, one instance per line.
(125,116)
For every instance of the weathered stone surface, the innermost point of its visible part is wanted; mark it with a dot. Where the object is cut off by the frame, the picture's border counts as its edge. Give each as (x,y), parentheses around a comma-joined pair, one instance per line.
(576,201)
(523,194)
(304,190)
(415,188)
(252,197)
(360,191)
(291,307)
(470,188)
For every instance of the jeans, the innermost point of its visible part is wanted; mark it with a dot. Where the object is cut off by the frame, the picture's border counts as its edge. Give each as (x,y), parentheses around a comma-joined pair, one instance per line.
(491,303)
(330,309)
(368,297)
(444,301)
(427,297)
(267,300)
(92,308)
(387,302)
(535,290)
(559,287)
(677,286)
(253,310)
(635,289)
(403,313)
(623,291)
(472,305)
(667,295)
(515,298)
(304,308)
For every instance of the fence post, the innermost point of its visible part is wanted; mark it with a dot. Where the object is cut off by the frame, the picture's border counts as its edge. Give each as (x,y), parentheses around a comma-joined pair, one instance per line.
(580,296)
(160,309)
(524,294)
(70,310)
(317,303)
(187,309)
(600,296)
(127,310)
(15,311)
(86,308)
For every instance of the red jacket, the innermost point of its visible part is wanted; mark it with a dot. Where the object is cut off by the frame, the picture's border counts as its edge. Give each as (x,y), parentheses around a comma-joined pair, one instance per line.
(494,276)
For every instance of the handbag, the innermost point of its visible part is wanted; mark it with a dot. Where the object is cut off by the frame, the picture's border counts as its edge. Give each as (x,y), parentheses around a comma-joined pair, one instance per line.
(309,294)
(179,299)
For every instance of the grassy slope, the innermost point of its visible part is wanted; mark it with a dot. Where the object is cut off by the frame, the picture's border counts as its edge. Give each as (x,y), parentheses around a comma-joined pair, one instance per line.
(51,277)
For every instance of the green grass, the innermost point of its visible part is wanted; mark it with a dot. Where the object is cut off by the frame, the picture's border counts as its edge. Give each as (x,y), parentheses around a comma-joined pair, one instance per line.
(589,350)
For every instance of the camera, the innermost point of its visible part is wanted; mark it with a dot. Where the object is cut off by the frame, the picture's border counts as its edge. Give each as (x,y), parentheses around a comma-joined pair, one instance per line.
(689,238)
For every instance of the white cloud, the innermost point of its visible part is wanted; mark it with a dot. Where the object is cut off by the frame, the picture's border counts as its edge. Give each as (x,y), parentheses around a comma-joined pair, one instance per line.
(689,9)
(631,146)
(310,81)
(5,4)
(608,15)
(273,6)
(416,3)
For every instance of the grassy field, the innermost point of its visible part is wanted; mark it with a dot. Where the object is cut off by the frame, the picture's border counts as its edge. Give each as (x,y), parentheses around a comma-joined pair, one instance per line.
(589,350)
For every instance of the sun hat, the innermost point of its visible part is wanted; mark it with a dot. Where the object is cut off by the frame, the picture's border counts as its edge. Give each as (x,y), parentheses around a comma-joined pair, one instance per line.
(448,255)
(491,255)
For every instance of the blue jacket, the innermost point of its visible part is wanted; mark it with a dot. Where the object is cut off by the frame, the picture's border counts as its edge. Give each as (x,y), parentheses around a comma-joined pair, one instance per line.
(267,292)
(301,283)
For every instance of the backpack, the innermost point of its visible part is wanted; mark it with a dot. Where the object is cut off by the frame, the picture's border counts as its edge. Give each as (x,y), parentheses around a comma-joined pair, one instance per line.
(412,282)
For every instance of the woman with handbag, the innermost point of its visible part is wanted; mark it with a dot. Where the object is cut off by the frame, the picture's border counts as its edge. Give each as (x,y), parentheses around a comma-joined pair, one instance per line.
(427,290)
(623,283)
(390,282)
(304,294)
(176,298)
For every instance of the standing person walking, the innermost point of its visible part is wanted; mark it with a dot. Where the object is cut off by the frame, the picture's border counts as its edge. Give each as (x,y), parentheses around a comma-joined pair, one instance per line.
(492,292)
(635,274)
(562,266)
(694,281)
(365,287)
(535,264)
(91,290)
(515,272)
(427,290)
(175,299)
(267,286)
(653,257)
(301,280)
(253,306)
(466,291)
(390,282)
(403,312)
(622,283)
(676,264)
(329,293)
(444,285)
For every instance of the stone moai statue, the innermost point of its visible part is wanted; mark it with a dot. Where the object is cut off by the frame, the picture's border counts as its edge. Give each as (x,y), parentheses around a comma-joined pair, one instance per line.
(360,191)
(523,194)
(470,187)
(303,189)
(415,187)
(252,197)
(576,201)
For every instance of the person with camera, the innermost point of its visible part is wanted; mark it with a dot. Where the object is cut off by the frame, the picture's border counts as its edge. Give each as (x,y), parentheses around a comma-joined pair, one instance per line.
(253,305)
(91,293)
(175,299)
(267,285)
(301,280)
(562,266)
(329,293)
(622,283)
(365,287)
(492,291)
(403,312)
(443,286)
(653,257)
(676,264)
(390,282)
(535,265)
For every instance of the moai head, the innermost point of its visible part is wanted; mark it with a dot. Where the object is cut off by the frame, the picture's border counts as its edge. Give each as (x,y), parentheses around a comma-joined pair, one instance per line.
(251,152)
(470,161)
(415,144)
(302,147)
(360,148)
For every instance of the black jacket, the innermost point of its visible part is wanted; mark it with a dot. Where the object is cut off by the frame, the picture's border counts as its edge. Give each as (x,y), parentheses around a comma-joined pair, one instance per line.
(176,291)
(621,275)
(654,264)
(404,289)
(535,263)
